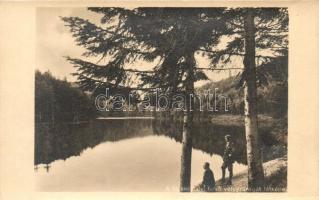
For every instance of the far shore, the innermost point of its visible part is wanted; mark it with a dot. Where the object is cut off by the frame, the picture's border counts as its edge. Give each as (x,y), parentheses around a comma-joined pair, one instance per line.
(239,120)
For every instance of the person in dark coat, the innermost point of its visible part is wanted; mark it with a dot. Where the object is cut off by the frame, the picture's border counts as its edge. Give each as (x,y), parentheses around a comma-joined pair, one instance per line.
(228,160)
(208,184)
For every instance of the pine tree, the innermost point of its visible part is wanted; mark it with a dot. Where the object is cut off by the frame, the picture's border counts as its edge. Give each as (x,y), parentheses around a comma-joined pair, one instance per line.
(262,31)
(170,36)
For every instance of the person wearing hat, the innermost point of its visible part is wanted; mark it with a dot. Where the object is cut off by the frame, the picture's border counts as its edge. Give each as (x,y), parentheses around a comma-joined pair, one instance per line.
(228,160)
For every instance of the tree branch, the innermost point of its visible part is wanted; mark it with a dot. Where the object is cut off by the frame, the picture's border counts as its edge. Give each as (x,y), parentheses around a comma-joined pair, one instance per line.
(217,69)
(236,54)
(117,86)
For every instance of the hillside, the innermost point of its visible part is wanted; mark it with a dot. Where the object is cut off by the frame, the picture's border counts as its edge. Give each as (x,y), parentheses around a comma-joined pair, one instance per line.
(272,90)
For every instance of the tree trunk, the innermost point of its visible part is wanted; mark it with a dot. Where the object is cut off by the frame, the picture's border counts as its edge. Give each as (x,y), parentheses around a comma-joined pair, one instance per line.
(254,154)
(186,158)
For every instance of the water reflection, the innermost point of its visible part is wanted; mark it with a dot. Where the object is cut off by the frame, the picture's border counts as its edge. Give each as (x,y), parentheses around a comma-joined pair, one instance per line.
(126,155)
(207,137)
(63,140)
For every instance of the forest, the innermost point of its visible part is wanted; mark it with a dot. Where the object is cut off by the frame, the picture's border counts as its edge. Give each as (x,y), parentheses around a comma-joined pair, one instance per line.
(272,96)
(58,101)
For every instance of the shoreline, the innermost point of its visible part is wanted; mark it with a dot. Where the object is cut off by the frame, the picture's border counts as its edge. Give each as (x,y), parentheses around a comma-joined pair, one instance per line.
(275,178)
(238,120)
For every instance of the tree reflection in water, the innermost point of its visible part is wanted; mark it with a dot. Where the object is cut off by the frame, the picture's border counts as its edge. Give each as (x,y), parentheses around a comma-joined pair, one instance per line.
(63,140)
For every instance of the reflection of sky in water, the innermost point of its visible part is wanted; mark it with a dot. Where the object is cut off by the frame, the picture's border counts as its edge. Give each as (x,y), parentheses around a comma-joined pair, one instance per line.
(150,163)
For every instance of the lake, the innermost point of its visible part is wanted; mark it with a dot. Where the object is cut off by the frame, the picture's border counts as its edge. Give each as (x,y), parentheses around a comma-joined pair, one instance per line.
(127,154)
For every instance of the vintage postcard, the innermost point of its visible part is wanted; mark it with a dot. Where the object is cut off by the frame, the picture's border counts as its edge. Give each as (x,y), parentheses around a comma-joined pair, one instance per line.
(173,98)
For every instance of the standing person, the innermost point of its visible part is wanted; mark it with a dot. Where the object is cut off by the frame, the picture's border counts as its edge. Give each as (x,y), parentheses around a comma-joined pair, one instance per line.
(208,184)
(228,160)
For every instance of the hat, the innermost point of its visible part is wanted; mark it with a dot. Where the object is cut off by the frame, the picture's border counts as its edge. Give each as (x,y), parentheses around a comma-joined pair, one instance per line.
(228,137)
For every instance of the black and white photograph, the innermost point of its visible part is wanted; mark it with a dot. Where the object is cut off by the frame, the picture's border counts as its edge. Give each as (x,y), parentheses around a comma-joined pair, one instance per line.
(161,99)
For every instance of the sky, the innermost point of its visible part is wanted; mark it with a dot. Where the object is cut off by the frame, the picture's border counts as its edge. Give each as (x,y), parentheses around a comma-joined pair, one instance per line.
(54,42)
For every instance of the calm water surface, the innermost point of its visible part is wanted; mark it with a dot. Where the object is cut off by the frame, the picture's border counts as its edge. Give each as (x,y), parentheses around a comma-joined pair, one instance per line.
(126,154)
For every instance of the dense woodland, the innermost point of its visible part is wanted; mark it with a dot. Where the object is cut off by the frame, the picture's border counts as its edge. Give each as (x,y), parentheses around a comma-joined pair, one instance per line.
(272,95)
(71,104)
(58,101)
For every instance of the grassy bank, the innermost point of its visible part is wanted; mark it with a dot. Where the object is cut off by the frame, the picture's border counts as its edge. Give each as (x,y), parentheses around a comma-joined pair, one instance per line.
(275,169)
(275,178)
